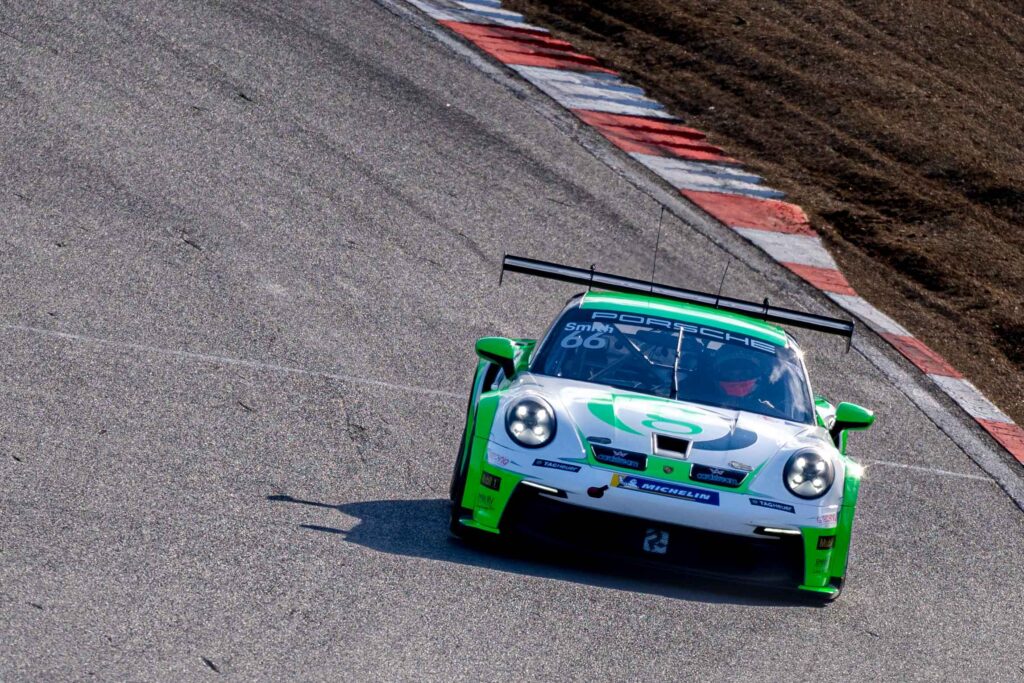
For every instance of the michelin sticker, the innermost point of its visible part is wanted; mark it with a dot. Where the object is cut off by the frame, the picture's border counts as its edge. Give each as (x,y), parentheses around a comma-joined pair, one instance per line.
(662,488)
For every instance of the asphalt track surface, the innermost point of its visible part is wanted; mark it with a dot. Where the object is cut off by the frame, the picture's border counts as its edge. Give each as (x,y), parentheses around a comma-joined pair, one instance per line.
(245,253)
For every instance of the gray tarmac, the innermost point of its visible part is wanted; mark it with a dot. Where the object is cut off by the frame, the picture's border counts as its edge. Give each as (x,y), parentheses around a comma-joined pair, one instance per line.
(245,250)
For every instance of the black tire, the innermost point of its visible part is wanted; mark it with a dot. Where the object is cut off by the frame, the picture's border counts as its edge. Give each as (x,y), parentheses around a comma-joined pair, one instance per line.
(461,470)
(816,598)
(458,484)
(456,490)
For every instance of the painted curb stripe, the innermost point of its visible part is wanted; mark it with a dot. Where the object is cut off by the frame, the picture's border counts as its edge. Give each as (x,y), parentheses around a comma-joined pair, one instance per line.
(825,279)
(638,123)
(750,212)
(875,319)
(528,44)
(660,164)
(519,52)
(669,143)
(490,10)
(479,10)
(504,32)
(1010,435)
(603,95)
(567,79)
(704,175)
(612,107)
(592,91)
(920,355)
(457,13)
(528,49)
(692,175)
(970,399)
(528,59)
(801,249)
(694,150)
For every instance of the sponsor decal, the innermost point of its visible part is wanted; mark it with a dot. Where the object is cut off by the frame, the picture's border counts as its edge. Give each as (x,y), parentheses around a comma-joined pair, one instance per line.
(665,489)
(717,475)
(620,458)
(698,330)
(485,501)
(826,542)
(656,541)
(490,481)
(828,518)
(497,459)
(551,464)
(588,327)
(772,505)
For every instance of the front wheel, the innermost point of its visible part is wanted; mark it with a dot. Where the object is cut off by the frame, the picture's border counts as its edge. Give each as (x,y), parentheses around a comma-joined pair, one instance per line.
(457,488)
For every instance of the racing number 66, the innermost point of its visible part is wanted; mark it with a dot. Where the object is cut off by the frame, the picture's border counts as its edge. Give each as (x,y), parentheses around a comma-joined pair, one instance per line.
(593,341)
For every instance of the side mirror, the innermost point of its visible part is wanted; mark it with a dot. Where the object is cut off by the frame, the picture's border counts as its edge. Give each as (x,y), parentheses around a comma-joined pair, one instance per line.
(500,351)
(850,416)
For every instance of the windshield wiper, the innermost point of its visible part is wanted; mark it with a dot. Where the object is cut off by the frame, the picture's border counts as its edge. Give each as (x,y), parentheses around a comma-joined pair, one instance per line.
(675,365)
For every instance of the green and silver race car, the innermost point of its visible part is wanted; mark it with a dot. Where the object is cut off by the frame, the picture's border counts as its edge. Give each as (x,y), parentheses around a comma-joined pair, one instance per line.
(665,425)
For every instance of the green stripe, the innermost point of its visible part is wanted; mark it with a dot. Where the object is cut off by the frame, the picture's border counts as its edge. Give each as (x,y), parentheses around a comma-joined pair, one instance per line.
(697,315)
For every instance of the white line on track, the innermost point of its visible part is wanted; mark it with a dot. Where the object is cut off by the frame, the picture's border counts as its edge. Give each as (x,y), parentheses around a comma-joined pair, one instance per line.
(868,464)
(225,360)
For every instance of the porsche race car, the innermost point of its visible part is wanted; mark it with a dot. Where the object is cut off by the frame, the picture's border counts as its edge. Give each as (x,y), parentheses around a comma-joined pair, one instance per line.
(665,425)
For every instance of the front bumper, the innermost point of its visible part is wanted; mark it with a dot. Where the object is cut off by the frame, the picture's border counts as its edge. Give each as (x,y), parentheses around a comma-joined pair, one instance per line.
(775,561)
(727,540)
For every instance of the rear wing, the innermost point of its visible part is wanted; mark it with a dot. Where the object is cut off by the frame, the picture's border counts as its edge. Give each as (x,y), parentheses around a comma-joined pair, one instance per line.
(627,285)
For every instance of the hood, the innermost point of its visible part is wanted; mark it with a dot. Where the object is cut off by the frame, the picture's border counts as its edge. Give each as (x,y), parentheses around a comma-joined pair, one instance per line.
(627,420)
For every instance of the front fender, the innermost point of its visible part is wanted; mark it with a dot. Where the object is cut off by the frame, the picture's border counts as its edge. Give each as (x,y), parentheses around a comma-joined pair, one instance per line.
(827,551)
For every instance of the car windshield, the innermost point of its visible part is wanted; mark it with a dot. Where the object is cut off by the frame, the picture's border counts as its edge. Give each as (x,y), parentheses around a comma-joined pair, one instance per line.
(675,359)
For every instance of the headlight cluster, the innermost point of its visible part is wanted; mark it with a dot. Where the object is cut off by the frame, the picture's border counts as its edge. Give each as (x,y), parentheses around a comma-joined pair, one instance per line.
(530,422)
(808,474)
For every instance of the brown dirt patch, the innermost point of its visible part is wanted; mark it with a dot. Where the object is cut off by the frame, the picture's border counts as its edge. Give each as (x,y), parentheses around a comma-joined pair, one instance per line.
(899,127)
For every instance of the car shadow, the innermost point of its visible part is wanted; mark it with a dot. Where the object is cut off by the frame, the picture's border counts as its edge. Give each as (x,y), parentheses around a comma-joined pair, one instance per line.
(419,528)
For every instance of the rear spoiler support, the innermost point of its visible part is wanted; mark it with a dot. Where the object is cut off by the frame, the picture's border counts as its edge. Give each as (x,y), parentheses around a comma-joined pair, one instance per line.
(617,283)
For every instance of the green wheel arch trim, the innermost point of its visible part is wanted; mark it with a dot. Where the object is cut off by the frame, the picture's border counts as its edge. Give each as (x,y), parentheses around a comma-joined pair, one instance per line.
(467,434)
(844,528)
(485,504)
(825,567)
(476,448)
(488,505)
(480,416)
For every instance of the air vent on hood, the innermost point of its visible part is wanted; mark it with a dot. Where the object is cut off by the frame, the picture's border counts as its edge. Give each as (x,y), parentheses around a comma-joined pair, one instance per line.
(671,446)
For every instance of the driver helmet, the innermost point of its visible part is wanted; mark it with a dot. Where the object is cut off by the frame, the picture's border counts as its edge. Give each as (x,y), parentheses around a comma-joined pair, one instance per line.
(737,371)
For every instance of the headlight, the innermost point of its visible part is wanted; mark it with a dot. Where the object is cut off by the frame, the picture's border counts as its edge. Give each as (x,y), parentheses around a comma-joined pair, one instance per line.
(530,422)
(808,474)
